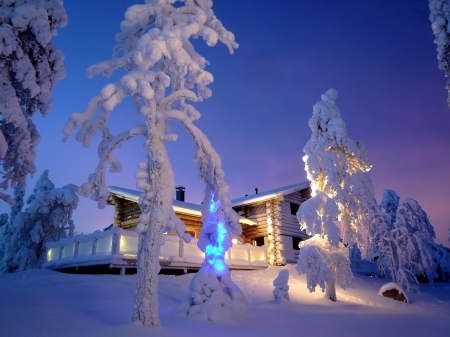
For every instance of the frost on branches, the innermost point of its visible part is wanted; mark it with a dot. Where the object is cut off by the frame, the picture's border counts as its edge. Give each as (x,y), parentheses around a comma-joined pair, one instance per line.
(324,265)
(439,17)
(30,65)
(164,74)
(281,291)
(47,218)
(405,247)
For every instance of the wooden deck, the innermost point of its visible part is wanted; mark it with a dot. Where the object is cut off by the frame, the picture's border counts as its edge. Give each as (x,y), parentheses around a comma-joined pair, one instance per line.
(118,248)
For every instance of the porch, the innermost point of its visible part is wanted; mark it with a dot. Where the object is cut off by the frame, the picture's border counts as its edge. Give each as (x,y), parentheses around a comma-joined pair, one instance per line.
(117,248)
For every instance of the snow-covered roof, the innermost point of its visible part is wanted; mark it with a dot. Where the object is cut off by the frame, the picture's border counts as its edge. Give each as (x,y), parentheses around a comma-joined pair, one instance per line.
(271,194)
(178,206)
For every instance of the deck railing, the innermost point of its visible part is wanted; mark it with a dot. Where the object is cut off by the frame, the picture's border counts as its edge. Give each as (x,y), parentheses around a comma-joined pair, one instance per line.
(118,247)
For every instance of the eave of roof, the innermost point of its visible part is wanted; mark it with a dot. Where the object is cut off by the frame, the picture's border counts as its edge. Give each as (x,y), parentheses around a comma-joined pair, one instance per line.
(271,194)
(178,206)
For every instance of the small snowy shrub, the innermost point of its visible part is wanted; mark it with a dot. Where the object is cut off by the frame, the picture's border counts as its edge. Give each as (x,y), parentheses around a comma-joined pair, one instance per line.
(324,265)
(281,291)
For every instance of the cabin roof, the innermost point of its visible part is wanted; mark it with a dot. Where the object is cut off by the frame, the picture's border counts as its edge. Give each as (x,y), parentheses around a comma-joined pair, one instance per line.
(271,194)
(178,206)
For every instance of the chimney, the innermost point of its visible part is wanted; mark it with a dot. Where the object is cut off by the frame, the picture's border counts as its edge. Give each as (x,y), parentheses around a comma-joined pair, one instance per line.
(256,190)
(180,193)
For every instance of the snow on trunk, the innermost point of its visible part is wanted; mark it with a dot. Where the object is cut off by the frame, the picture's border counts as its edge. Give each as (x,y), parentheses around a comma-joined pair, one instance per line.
(156,205)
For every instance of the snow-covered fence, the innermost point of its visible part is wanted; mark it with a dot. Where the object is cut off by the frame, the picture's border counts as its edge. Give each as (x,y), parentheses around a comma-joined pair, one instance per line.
(118,248)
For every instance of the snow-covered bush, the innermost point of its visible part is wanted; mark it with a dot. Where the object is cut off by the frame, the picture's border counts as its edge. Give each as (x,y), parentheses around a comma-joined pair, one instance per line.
(163,74)
(30,65)
(324,265)
(405,246)
(281,291)
(439,17)
(47,218)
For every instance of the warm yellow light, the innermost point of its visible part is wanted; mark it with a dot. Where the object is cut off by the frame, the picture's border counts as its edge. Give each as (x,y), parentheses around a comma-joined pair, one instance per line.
(234,240)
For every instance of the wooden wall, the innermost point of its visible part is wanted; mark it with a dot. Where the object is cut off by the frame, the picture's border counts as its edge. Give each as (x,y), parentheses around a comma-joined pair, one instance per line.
(127,215)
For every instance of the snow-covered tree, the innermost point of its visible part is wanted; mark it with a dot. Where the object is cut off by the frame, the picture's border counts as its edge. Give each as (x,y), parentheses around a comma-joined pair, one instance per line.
(47,218)
(389,204)
(30,65)
(354,253)
(324,265)
(439,17)
(7,249)
(164,73)
(404,247)
(336,165)
(281,291)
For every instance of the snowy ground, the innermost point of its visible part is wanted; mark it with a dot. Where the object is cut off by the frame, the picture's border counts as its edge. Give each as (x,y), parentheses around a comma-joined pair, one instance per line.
(46,303)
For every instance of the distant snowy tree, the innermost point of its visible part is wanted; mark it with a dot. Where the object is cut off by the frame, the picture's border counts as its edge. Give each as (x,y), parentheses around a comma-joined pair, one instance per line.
(441,256)
(324,265)
(440,17)
(164,72)
(390,204)
(354,253)
(336,165)
(7,248)
(405,249)
(30,65)
(47,218)
(281,291)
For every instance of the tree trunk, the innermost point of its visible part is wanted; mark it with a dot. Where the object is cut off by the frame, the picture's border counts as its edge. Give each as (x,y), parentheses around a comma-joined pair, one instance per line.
(330,291)
(157,204)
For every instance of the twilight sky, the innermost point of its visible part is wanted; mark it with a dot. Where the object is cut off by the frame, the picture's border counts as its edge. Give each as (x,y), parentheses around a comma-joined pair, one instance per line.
(379,55)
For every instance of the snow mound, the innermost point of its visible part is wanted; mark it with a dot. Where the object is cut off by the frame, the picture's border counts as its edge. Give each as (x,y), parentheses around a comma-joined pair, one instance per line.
(392,286)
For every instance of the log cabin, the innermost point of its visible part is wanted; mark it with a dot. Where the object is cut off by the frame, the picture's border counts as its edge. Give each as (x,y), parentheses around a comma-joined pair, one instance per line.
(267,218)
(277,227)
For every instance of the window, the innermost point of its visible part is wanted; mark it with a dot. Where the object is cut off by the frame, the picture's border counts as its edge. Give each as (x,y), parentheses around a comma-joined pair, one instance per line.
(258,241)
(295,243)
(294,208)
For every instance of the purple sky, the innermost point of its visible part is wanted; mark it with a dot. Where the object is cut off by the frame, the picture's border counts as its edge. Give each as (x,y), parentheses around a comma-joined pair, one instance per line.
(379,56)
